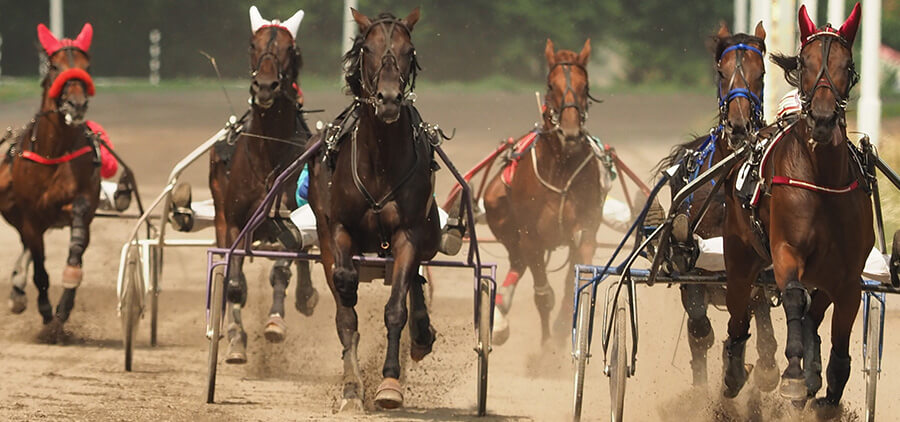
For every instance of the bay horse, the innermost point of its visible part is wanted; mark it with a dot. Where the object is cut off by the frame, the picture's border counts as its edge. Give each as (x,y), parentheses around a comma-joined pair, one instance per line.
(555,197)
(50,178)
(375,195)
(740,67)
(242,170)
(812,221)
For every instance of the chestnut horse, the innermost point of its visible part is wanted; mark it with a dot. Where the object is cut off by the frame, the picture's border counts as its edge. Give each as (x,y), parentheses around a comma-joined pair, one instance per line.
(740,67)
(241,172)
(51,176)
(812,221)
(555,197)
(373,192)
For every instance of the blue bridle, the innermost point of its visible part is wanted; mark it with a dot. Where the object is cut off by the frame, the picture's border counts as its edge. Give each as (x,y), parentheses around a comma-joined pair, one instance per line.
(756,102)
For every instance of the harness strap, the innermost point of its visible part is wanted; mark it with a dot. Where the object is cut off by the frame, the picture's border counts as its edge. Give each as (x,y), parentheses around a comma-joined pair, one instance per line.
(565,190)
(37,158)
(782,180)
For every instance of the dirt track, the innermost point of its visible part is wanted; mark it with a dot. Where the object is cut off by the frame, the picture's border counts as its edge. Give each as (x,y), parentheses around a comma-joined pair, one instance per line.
(299,379)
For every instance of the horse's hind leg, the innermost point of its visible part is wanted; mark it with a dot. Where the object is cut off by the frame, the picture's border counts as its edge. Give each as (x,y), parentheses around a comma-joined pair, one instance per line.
(306,296)
(19,278)
(279,277)
(422,334)
(846,307)
(700,332)
(766,374)
(80,237)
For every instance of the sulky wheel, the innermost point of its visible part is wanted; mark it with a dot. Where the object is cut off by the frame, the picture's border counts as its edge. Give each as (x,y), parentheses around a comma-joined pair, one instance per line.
(131,302)
(485,310)
(155,263)
(581,353)
(873,343)
(617,362)
(214,328)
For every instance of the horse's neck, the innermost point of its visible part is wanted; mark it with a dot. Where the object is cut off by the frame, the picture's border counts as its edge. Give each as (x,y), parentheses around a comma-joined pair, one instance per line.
(556,162)
(384,148)
(52,136)
(278,121)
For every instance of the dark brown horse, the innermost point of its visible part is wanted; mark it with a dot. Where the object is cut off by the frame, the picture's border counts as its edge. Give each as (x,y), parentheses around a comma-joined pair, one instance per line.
(812,221)
(373,193)
(51,178)
(555,197)
(242,170)
(740,68)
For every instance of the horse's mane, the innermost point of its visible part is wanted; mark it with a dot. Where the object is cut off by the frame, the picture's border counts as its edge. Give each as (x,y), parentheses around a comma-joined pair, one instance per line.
(676,154)
(791,66)
(352,57)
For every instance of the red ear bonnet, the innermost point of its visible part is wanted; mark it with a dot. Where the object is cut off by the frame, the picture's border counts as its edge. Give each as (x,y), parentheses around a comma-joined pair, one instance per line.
(807,26)
(52,45)
(848,29)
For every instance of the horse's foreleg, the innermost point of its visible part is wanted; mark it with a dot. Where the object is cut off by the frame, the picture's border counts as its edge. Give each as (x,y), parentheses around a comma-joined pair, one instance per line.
(80,236)
(236,294)
(742,269)
(34,241)
(337,255)
(585,244)
(279,277)
(766,375)
(543,293)
(390,393)
(812,343)
(700,333)
(846,307)
(788,264)
(422,334)
(305,296)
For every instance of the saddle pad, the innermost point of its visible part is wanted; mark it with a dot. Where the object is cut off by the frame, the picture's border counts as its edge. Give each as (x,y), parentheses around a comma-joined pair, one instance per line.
(522,145)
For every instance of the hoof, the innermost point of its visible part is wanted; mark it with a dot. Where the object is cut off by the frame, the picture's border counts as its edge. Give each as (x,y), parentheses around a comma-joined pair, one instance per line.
(826,409)
(451,241)
(307,306)
(276,329)
(681,230)
(418,351)
(181,215)
(793,388)
(351,406)
(17,301)
(237,350)
(52,332)
(732,392)
(389,394)
(501,328)
(766,377)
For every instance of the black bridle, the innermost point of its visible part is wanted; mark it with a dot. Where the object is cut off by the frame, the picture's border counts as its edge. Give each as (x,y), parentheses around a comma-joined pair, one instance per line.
(284,79)
(554,115)
(388,58)
(823,76)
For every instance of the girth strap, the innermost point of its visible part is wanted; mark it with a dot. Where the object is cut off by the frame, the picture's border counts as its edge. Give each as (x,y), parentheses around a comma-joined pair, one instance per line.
(565,190)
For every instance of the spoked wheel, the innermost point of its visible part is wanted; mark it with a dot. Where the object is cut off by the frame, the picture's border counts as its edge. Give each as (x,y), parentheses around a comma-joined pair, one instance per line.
(617,363)
(131,303)
(484,342)
(216,305)
(873,341)
(581,354)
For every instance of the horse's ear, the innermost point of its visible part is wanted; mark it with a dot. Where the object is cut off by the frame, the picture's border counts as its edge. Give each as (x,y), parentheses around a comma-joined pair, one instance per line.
(760,31)
(807,26)
(848,29)
(362,20)
(410,21)
(723,31)
(47,39)
(585,53)
(550,53)
(83,41)
(256,19)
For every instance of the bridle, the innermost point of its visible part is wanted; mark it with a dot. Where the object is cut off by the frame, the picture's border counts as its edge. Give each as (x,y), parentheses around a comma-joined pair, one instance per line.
(823,76)
(388,59)
(726,97)
(283,77)
(554,115)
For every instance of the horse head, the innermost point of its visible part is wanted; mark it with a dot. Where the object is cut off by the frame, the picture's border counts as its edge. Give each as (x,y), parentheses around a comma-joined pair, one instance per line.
(385,68)
(67,84)
(567,100)
(740,70)
(274,58)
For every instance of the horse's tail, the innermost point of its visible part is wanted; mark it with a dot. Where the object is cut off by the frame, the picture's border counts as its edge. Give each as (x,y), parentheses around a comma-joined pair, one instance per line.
(677,153)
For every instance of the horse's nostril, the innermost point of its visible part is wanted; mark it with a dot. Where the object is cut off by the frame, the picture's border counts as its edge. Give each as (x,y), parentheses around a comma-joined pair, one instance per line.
(274,85)
(399,97)
(380,97)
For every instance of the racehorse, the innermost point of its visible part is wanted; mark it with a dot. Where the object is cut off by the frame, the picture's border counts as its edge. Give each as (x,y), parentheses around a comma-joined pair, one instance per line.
(555,197)
(810,217)
(50,177)
(740,67)
(242,170)
(375,195)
